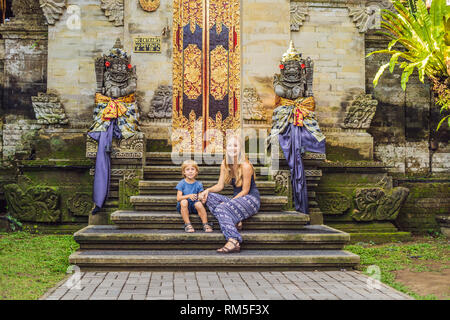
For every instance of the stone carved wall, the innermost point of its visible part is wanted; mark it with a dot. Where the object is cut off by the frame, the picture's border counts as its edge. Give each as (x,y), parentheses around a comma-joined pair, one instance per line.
(334,203)
(113,11)
(161,103)
(253,105)
(377,204)
(36,204)
(80,204)
(132,148)
(360,112)
(48,109)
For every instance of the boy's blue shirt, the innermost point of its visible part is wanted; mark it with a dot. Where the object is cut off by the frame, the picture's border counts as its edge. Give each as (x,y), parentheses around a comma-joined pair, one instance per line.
(189,188)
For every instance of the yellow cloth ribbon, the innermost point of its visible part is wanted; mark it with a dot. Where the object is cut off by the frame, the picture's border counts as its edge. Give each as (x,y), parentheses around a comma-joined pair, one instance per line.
(302,108)
(115,107)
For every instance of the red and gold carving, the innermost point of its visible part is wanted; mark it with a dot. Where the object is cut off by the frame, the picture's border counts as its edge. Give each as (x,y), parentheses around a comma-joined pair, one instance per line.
(192,71)
(219,72)
(192,13)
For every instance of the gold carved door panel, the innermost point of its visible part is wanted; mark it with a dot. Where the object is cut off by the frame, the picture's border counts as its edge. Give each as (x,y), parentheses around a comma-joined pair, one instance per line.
(206,73)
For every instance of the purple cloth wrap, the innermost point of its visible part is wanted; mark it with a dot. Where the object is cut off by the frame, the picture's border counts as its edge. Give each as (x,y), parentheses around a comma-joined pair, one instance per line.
(103,162)
(295,141)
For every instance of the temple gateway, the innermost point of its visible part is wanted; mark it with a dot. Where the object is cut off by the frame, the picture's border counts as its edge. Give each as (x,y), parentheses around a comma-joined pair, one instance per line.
(100,95)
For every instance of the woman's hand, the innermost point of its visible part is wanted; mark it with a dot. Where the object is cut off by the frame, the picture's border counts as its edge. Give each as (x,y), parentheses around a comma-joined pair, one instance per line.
(203,196)
(193,196)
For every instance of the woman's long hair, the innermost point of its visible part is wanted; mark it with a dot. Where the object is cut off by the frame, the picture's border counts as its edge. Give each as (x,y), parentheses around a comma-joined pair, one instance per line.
(241,158)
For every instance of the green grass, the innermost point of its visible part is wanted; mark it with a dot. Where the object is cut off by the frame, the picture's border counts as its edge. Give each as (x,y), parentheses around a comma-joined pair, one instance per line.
(31,264)
(397,256)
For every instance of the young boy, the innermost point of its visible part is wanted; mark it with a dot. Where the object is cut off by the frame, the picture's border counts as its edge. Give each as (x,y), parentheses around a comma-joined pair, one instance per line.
(187,197)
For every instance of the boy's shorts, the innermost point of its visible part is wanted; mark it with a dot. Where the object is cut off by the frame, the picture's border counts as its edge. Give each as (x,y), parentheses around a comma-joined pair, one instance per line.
(191,206)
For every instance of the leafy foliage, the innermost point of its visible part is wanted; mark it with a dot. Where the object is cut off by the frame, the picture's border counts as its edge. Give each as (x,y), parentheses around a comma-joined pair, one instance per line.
(424,37)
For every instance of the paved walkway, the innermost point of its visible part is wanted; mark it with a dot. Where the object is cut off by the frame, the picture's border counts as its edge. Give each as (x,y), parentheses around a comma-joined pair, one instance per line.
(316,285)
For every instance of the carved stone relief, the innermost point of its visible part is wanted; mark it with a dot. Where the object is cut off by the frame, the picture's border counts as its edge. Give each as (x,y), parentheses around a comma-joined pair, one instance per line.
(161,103)
(360,112)
(36,204)
(113,11)
(375,204)
(253,105)
(132,148)
(80,204)
(48,109)
(52,9)
(299,11)
(333,203)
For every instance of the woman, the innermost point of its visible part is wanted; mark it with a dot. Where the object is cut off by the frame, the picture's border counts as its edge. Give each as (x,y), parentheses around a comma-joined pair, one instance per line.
(236,170)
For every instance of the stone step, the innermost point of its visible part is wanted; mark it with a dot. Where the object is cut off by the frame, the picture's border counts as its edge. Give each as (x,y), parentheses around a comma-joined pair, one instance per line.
(318,237)
(164,203)
(165,159)
(172,220)
(206,173)
(210,260)
(168,187)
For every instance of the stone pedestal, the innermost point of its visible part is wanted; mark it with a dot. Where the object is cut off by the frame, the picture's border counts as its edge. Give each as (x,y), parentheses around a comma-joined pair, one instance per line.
(127,159)
(348,144)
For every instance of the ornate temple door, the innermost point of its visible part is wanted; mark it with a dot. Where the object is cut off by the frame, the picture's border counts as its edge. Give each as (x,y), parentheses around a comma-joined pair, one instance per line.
(206,73)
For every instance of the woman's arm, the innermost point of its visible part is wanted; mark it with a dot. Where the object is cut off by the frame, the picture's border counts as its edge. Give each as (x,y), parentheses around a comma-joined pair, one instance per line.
(221,182)
(247,173)
(217,187)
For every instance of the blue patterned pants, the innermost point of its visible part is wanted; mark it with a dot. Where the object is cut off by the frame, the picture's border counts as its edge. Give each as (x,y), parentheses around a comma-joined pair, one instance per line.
(231,211)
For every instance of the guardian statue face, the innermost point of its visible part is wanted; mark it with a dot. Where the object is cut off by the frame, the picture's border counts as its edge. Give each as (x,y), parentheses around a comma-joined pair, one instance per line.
(118,72)
(292,72)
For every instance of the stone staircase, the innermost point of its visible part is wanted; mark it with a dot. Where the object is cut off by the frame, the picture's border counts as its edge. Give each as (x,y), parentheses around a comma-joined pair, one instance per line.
(151,237)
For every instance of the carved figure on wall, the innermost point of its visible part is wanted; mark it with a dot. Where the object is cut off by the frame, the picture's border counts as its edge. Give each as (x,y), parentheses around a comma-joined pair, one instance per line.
(113,11)
(294,122)
(360,112)
(116,113)
(161,104)
(253,106)
(36,204)
(48,109)
(375,204)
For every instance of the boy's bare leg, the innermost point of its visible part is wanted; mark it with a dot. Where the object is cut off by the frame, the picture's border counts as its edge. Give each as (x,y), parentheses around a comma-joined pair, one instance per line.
(201,212)
(185,211)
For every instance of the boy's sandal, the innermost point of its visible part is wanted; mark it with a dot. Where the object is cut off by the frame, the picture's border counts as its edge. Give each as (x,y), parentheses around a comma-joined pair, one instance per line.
(236,247)
(207,227)
(188,228)
(239,226)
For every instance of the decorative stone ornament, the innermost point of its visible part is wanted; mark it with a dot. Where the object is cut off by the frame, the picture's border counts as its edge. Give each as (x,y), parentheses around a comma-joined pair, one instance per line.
(113,11)
(376,204)
(52,9)
(48,109)
(360,112)
(161,103)
(298,14)
(149,5)
(253,106)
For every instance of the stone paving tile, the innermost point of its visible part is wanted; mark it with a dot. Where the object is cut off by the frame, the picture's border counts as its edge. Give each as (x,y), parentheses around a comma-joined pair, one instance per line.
(308,285)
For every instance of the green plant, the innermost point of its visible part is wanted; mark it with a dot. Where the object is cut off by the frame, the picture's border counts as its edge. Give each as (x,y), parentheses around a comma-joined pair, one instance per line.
(13,223)
(424,36)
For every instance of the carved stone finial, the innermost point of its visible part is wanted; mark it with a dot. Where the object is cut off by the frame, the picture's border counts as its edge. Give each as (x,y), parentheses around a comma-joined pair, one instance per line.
(113,11)
(365,18)
(118,44)
(48,109)
(253,106)
(298,14)
(52,9)
(360,112)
